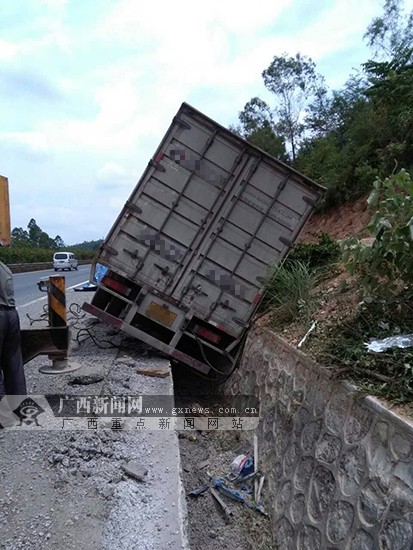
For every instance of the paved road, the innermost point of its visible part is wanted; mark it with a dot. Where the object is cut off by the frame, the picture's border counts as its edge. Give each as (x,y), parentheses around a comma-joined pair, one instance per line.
(25,284)
(64,488)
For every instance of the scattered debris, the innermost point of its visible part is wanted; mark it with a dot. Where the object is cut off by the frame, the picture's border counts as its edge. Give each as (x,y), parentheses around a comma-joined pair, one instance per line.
(241,467)
(91,376)
(402,341)
(203,464)
(226,510)
(135,470)
(309,331)
(218,483)
(260,486)
(158,372)
(199,490)
(255,466)
(249,477)
(252,528)
(107,492)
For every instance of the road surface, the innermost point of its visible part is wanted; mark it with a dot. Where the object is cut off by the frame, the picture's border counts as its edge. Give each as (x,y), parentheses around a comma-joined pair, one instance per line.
(66,488)
(25,284)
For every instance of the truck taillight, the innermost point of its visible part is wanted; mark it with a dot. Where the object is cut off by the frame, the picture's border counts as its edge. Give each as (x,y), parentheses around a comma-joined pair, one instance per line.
(115,285)
(207,334)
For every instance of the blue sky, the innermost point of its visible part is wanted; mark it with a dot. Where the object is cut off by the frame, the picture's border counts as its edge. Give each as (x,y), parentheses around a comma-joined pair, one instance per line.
(89,87)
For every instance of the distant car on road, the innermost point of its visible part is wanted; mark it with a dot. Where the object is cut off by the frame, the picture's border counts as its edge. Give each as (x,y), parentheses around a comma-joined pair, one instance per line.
(64,260)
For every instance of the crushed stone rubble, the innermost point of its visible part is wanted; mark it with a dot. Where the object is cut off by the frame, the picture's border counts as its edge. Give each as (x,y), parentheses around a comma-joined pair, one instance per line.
(71,489)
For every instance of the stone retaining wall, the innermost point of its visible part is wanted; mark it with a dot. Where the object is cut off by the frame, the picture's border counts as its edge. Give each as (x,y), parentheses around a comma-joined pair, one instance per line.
(339,469)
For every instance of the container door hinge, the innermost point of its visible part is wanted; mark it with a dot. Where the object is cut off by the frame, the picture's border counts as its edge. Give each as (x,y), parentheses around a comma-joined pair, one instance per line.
(134,208)
(309,200)
(110,250)
(182,123)
(198,290)
(157,165)
(134,254)
(225,305)
(164,269)
(286,241)
(240,322)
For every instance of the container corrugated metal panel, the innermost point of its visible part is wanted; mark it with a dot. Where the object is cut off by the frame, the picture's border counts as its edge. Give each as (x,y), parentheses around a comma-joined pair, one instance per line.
(5,236)
(208,217)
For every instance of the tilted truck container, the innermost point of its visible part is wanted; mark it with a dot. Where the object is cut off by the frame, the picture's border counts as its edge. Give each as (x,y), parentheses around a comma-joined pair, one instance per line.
(188,255)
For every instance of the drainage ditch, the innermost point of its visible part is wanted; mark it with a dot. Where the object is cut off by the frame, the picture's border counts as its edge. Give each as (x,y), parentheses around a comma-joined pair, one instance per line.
(205,456)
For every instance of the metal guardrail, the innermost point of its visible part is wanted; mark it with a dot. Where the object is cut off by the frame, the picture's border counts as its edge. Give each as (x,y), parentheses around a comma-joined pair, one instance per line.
(23,268)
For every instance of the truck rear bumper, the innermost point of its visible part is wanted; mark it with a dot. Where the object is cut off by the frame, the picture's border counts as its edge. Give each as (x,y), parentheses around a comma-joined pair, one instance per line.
(144,337)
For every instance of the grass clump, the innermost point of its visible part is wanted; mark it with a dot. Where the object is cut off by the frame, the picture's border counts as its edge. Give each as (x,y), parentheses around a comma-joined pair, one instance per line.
(289,292)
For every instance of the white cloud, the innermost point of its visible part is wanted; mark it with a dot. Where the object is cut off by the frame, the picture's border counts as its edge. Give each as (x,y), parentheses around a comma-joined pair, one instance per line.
(36,142)
(185,22)
(124,70)
(8,50)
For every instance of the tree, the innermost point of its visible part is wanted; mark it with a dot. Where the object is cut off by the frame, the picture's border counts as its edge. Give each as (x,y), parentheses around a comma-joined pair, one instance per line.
(295,83)
(59,243)
(45,241)
(257,126)
(34,232)
(389,261)
(35,237)
(391,94)
(20,237)
(392,31)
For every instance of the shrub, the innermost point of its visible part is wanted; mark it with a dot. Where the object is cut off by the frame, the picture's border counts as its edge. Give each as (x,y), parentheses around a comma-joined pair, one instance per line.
(20,254)
(325,251)
(388,263)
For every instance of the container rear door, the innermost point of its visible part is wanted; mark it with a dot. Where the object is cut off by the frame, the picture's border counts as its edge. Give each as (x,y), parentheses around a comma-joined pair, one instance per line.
(175,204)
(268,207)
(208,217)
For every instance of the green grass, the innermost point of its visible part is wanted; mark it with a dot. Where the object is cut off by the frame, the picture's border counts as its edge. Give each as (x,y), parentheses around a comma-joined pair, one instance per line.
(289,292)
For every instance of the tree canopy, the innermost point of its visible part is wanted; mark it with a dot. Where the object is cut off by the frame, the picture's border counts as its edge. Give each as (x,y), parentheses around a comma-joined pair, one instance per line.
(344,138)
(35,237)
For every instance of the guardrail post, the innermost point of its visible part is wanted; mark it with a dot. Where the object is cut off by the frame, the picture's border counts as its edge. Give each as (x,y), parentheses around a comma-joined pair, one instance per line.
(55,287)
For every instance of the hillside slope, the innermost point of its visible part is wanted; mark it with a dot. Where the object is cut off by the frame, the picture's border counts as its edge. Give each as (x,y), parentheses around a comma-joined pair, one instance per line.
(341,222)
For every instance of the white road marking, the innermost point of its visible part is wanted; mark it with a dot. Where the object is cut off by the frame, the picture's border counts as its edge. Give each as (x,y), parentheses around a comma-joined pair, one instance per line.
(44,297)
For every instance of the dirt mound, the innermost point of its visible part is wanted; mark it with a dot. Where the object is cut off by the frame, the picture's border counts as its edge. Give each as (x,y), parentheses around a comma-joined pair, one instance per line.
(342,222)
